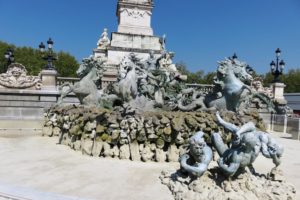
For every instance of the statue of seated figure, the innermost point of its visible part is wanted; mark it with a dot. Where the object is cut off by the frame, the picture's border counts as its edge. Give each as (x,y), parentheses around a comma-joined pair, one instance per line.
(269,147)
(104,41)
(196,161)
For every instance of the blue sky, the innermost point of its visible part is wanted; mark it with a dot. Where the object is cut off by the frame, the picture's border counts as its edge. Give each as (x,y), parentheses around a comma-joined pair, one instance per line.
(201,32)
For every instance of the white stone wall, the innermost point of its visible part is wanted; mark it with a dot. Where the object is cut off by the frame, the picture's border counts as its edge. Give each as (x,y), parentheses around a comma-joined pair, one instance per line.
(115,57)
(135,41)
(135,21)
(278,90)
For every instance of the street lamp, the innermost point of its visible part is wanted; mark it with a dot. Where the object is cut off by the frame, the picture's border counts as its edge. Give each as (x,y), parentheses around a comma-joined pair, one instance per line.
(277,67)
(50,54)
(234,57)
(9,56)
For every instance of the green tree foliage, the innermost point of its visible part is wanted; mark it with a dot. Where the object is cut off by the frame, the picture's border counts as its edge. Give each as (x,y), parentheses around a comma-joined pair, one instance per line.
(198,77)
(268,79)
(209,77)
(291,79)
(66,65)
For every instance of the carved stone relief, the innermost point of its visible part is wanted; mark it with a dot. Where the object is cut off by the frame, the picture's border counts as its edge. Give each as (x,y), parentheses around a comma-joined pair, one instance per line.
(16,77)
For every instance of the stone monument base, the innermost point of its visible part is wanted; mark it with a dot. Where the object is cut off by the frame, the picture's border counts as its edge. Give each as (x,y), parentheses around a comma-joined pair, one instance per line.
(213,185)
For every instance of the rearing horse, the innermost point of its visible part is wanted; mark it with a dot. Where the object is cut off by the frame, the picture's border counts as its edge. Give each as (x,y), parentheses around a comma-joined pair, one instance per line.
(231,75)
(86,90)
(127,87)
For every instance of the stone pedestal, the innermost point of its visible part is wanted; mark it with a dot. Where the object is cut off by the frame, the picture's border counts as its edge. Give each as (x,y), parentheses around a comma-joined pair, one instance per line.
(278,91)
(134,35)
(48,79)
(123,44)
(134,16)
(279,100)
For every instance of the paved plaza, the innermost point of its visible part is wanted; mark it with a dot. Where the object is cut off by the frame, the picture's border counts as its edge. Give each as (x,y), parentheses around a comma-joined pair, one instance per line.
(33,167)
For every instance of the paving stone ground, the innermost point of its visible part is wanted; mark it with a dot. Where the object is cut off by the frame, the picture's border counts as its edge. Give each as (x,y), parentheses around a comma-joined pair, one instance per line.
(37,165)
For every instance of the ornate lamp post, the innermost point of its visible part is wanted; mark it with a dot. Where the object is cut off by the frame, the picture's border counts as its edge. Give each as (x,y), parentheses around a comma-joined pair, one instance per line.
(9,56)
(277,67)
(50,54)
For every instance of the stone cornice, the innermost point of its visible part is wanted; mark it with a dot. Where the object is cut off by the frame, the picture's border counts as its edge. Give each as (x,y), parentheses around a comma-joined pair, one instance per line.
(133,50)
(131,34)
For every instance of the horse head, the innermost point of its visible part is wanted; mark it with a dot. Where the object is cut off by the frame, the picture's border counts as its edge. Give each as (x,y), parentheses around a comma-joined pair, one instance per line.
(127,64)
(91,63)
(85,67)
(241,70)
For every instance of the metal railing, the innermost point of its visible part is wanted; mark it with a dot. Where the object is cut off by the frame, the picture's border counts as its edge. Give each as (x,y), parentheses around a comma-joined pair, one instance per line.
(283,123)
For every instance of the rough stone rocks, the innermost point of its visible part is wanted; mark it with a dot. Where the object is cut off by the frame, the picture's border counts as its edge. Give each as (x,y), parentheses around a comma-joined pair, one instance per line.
(89,126)
(56,131)
(124,152)
(212,185)
(146,153)
(116,152)
(87,146)
(77,145)
(48,131)
(97,148)
(75,130)
(144,133)
(160,155)
(135,151)
(107,150)
(173,153)
(100,128)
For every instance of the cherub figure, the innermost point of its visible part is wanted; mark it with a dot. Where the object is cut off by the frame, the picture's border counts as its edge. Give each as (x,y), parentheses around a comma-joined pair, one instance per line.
(196,161)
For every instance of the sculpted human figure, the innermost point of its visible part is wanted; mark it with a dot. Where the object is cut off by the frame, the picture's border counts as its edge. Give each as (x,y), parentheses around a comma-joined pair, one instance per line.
(166,62)
(196,161)
(104,41)
(236,158)
(269,147)
(150,63)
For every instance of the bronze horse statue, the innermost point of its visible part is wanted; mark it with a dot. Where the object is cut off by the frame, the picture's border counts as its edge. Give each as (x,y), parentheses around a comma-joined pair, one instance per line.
(90,71)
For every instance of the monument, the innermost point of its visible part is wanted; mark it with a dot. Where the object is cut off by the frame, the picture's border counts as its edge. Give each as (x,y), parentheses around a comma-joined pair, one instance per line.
(134,34)
(145,112)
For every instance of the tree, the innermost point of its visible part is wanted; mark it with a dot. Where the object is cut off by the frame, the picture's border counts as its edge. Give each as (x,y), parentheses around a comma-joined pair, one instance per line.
(209,77)
(182,68)
(66,65)
(290,79)
(192,77)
